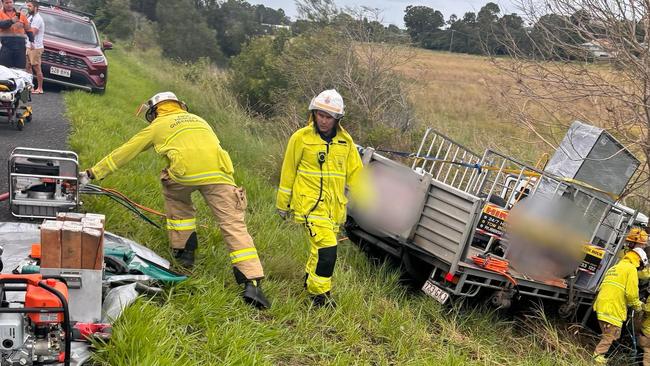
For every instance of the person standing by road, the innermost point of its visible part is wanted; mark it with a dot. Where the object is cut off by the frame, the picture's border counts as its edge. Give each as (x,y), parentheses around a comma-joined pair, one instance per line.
(320,160)
(14,28)
(35,49)
(197,162)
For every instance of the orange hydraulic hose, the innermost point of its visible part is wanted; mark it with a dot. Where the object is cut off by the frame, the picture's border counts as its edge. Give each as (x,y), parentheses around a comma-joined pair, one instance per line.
(500,266)
(142,207)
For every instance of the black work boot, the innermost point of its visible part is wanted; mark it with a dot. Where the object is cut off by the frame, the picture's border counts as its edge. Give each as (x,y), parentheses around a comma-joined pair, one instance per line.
(254,295)
(323,300)
(186,256)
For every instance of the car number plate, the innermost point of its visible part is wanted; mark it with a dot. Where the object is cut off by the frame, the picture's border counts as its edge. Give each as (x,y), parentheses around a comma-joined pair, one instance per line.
(59,71)
(434,291)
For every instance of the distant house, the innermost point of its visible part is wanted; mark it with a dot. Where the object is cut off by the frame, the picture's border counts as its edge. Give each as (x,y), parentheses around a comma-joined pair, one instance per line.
(274,28)
(600,49)
(277,26)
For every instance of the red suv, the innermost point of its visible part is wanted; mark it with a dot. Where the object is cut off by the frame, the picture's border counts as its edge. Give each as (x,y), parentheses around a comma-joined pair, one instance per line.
(73,54)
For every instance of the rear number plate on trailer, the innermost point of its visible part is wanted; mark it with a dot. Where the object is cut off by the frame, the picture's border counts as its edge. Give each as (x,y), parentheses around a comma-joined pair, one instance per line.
(58,71)
(434,291)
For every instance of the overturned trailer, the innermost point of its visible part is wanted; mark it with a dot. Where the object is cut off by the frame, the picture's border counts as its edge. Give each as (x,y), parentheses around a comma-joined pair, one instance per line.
(443,216)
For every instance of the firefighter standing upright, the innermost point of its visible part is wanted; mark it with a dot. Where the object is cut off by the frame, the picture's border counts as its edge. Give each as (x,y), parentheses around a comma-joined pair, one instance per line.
(320,160)
(197,162)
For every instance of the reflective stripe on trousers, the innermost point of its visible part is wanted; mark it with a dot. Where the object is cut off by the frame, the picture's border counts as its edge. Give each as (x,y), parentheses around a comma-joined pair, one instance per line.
(228,205)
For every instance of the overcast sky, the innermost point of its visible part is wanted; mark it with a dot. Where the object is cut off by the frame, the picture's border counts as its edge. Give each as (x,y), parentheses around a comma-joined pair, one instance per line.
(393,10)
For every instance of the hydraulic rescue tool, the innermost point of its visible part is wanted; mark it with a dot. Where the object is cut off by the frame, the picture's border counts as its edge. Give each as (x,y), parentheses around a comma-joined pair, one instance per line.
(42,182)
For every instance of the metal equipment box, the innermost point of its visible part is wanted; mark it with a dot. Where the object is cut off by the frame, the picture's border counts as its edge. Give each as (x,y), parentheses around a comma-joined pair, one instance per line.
(591,155)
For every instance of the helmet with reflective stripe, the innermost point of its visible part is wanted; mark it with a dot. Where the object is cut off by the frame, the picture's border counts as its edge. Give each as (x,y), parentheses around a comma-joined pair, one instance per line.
(149,107)
(642,254)
(329,101)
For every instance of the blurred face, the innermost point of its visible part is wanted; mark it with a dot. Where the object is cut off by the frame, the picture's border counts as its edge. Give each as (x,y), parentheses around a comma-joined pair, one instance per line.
(325,122)
(7,5)
(30,8)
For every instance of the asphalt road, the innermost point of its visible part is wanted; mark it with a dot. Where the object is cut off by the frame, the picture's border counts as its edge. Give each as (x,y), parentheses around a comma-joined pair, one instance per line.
(48,130)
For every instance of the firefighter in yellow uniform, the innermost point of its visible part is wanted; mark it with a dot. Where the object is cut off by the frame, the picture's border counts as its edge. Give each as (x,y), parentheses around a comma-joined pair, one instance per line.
(619,289)
(320,160)
(638,238)
(197,162)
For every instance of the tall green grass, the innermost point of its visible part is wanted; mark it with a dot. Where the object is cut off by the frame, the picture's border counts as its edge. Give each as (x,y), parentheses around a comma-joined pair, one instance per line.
(203,320)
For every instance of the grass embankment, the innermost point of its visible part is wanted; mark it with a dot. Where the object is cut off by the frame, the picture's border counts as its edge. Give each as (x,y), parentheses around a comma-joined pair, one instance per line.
(203,321)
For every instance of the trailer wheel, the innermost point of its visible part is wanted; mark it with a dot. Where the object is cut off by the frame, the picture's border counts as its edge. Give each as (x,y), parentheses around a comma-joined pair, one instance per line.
(567,310)
(501,299)
(416,268)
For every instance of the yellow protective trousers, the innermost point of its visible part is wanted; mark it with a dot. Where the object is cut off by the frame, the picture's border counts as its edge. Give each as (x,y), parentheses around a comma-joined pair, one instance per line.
(322,258)
(228,204)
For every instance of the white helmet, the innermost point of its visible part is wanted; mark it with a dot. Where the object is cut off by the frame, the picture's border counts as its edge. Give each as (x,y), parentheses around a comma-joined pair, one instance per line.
(329,101)
(642,254)
(149,107)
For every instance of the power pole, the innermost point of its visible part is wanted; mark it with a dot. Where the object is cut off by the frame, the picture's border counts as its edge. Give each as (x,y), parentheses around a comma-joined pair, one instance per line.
(451,42)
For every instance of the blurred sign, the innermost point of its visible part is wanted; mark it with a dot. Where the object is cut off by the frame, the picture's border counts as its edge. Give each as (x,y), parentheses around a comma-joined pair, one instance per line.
(492,220)
(593,256)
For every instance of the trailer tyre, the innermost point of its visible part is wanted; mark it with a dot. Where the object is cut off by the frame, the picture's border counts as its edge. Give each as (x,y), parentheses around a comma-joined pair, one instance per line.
(567,311)
(416,268)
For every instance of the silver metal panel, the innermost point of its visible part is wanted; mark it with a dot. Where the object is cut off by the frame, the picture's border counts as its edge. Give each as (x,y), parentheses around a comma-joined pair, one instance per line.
(447,222)
(11,331)
(84,292)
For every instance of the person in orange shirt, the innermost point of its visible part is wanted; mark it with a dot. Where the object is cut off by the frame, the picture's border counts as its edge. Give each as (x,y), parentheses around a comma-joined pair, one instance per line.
(14,28)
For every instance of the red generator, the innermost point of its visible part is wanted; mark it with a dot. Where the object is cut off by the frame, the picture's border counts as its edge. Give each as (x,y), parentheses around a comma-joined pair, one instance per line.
(38,332)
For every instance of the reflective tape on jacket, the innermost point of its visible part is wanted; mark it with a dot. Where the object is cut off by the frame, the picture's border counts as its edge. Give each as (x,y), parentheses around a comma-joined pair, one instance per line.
(181,225)
(242,255)
(285,190)
(183,130)
(198,177)
(111,163)
(324,174)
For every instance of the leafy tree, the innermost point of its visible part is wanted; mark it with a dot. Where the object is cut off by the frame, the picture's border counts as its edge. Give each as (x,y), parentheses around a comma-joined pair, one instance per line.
(235,22)
(116,19)
(145,7)
(270,16)
(422,21)
(184,34)
(255,76)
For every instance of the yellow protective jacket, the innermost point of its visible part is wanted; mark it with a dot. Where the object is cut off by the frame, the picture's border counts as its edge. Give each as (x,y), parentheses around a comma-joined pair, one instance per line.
(619,289)
(189,144)
(301,176)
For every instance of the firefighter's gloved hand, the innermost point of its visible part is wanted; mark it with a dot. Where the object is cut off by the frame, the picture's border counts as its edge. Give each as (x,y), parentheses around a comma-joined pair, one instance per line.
(84,178)
(283,214)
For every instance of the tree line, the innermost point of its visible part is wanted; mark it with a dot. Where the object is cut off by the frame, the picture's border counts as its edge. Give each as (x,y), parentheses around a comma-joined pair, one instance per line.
(488,32)
(185,29)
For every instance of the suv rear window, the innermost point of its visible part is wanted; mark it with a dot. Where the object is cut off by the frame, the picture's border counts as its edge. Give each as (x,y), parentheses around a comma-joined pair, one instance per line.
(74,30)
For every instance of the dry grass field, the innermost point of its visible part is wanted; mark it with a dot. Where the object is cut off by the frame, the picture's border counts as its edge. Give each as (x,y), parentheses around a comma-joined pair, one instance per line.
(455,94)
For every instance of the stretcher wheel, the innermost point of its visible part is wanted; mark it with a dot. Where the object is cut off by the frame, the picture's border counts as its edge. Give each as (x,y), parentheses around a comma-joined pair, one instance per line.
(20,124)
